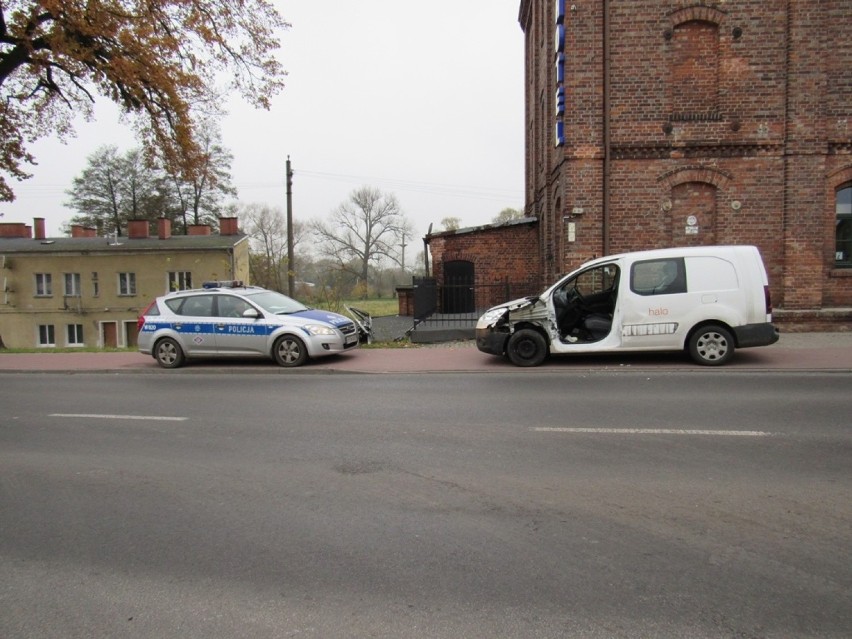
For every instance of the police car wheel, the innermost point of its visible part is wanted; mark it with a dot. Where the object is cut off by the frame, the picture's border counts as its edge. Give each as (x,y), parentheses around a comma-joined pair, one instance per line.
(290,351)
(711,346)
(168,353)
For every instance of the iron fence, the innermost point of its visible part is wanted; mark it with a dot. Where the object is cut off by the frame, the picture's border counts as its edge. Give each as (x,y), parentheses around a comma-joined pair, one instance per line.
(460,302)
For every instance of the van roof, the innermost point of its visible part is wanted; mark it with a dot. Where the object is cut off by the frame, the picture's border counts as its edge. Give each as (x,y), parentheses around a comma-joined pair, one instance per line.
(682,251)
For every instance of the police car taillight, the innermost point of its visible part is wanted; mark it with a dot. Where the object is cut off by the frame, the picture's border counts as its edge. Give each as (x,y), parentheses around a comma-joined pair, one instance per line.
(223,284)
(141,321)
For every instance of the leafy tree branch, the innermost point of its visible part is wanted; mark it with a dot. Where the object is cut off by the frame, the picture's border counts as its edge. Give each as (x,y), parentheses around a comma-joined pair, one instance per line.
(159,60)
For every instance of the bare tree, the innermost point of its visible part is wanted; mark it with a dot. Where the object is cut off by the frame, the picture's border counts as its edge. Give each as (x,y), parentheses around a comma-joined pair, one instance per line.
(198,197)
(451,223)
(364,230)
(267,230)
(507,215)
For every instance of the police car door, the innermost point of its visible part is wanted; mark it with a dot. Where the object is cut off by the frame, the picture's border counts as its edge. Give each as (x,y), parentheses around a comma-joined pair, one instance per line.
(195,325)
(235,333)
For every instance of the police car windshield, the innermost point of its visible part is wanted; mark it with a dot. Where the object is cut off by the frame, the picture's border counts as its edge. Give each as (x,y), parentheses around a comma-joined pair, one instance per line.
(277,303)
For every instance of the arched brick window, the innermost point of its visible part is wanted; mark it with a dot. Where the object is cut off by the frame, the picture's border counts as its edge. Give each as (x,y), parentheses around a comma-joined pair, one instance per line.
(843,208)
(695,68)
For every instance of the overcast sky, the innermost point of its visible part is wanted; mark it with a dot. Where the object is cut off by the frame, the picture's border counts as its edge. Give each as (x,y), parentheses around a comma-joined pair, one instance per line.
(420,99)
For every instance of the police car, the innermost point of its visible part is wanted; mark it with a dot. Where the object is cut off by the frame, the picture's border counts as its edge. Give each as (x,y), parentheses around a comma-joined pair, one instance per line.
(230,319)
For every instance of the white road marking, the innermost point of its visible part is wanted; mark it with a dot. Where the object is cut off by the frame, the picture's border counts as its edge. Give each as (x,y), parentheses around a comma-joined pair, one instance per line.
(153,418)
(656,431)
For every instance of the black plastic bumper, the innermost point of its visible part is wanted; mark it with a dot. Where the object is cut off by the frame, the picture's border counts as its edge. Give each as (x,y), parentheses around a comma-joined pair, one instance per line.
(756,335)
(491,341)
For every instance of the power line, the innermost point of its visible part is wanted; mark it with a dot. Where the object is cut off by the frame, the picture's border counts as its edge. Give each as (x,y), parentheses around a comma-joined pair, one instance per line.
(431,188)
(434,188)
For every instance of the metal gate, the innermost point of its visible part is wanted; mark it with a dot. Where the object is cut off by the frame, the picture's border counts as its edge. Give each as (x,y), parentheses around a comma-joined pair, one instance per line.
(425,297)
(458,303)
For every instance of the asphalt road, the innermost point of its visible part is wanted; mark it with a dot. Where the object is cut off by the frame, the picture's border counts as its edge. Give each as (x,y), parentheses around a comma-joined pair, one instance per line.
(547,504)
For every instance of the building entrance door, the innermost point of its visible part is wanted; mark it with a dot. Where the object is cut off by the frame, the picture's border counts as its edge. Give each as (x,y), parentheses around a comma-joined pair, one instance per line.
(458,293)
(110,332)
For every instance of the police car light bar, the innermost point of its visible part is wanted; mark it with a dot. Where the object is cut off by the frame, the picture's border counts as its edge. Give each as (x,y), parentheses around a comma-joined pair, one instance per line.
(224,284)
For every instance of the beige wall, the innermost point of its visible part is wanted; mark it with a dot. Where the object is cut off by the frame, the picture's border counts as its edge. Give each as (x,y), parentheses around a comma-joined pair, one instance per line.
(107,318)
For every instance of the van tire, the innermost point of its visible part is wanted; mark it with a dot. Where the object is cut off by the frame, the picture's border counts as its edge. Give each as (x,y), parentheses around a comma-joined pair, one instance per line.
(711,345)
(289,351)
(526,347)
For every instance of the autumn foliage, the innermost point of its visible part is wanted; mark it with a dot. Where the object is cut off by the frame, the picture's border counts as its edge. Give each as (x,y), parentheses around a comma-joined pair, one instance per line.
(164,62)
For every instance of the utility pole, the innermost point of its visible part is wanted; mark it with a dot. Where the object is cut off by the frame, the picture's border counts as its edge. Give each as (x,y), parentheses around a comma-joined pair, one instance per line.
(291,275)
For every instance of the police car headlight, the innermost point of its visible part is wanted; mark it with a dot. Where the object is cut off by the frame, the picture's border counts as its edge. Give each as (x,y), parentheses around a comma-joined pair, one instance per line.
(319,329)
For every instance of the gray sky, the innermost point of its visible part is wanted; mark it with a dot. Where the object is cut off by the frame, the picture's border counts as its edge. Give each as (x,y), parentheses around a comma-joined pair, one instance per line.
(420,99)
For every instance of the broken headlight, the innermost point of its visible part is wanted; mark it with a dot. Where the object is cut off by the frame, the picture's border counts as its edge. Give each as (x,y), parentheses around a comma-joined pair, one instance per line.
(493,316)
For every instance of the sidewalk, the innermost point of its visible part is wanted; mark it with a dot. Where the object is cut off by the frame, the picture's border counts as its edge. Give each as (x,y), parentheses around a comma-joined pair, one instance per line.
(793,352)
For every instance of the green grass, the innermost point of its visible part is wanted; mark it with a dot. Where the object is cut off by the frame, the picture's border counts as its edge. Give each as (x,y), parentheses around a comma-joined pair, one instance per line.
(83,349)
(375,307)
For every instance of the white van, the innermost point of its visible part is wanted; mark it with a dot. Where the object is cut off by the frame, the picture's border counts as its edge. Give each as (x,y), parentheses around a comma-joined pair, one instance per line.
(707,300)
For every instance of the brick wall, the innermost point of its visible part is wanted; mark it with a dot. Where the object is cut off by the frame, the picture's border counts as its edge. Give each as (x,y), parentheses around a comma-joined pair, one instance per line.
(728,123)
(508,251)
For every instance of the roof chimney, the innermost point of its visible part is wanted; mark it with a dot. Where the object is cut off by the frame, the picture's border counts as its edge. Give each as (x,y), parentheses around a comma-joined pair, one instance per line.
(14,229)
(38,225)
(198,229)
(164,228)
(228,226)
(137,229)
(77,230)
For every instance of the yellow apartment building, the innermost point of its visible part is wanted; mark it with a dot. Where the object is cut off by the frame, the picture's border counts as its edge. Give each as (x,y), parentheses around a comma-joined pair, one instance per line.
(88,290)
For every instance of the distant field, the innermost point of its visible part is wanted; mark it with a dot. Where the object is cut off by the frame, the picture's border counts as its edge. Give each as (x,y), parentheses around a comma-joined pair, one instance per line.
(375,307)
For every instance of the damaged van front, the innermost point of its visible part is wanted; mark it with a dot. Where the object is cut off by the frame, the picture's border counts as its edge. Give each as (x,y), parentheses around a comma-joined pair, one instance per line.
(494,327)
(577,311)
(707,301)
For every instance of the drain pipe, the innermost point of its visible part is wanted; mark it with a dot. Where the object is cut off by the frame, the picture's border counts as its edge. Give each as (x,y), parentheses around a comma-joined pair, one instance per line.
(607,160)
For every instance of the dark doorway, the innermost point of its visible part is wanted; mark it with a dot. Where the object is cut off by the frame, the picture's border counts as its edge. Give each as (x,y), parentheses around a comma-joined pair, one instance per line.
(458,287)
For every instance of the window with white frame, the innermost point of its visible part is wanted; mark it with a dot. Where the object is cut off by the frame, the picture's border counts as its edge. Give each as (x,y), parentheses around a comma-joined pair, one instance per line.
(180,280)
(74,335)
(46,335)
(72,285)
(127,283)
(43,284)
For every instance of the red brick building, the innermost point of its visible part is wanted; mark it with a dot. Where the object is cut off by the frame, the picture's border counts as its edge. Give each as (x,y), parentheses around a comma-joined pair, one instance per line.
(656,123)
(494,263)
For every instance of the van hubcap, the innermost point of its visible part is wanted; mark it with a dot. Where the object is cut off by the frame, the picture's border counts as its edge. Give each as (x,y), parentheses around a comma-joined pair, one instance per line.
(712,346)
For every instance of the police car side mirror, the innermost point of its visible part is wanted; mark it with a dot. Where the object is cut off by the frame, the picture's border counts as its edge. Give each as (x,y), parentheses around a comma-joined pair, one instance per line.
(251,313)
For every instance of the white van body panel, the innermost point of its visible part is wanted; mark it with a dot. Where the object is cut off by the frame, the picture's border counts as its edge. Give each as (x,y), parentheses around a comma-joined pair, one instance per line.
(644,301)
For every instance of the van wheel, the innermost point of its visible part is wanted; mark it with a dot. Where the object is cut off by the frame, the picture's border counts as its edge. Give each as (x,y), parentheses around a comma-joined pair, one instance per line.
(711,345)
(168,353)
(289,351)
(526,347)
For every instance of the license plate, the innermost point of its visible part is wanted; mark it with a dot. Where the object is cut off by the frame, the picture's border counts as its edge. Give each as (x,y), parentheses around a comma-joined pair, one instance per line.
(351,339)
